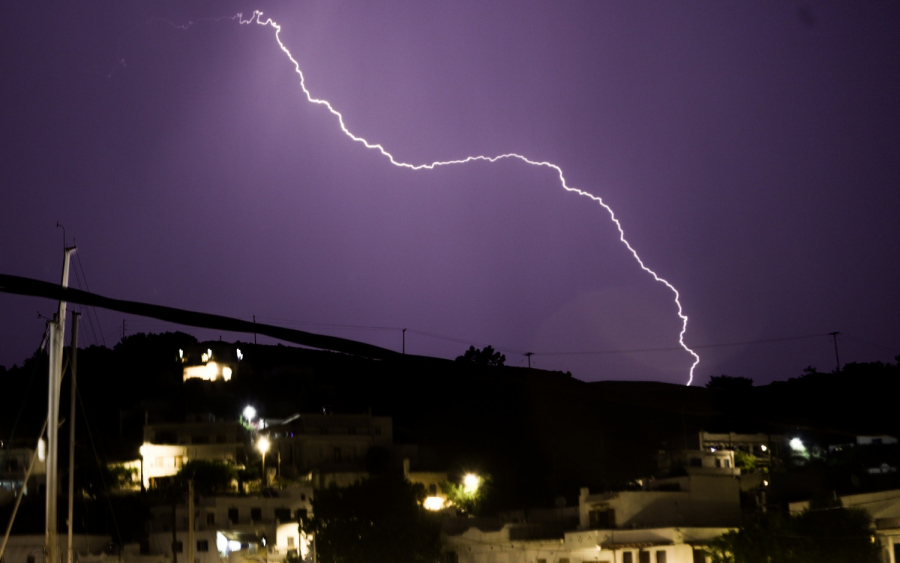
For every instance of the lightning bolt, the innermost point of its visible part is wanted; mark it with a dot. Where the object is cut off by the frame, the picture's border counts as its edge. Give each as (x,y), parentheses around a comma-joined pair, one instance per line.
(268,22)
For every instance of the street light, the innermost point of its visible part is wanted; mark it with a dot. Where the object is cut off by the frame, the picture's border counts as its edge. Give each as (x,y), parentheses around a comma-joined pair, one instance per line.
(263,446)
(470,483)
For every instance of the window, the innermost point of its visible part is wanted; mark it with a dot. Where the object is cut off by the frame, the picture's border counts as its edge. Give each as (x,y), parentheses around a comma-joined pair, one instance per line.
(233,515)
(301,513)
(699,556)
(283,514)
(290,541)
(602,518)
(202,545)
(660,557)
(210,518)
(727,463)
(256,514)
(627,557)
(644,557)
(178,547)
(718,462)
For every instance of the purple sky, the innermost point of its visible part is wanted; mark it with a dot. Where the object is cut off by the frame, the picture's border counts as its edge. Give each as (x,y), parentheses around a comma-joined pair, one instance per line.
(750,150)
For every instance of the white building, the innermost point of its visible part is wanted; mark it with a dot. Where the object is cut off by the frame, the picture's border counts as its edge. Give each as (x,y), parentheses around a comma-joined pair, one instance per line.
(29,548)
(692,500)
(669,522)
(12,478)
(232,527)
(167,447)
(511,544)
(327,442)
(884,508)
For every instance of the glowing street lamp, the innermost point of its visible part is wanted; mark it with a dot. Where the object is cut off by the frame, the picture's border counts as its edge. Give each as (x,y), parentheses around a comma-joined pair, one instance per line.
(263,446)
(249,413)
(471,483)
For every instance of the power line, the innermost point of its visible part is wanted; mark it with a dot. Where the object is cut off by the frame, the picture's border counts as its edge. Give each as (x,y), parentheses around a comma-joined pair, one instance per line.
(671,349)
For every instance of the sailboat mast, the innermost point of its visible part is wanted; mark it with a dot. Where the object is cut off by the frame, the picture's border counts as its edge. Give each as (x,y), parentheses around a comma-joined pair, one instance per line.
(70,558)
(57,332)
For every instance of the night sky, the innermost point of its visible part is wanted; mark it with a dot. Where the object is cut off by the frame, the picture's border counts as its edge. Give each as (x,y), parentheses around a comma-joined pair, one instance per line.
(749,149)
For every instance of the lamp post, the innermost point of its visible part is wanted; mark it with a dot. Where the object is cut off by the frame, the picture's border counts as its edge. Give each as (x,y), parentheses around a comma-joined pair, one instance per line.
(263,446)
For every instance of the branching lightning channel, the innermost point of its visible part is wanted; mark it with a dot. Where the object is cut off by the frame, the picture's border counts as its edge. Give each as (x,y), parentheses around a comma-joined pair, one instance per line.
(257,18)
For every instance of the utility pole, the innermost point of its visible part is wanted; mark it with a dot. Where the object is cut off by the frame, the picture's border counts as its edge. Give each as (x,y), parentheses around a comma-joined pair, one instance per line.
(254,332)
(123,330)
(404,341)
(57,332)
(837,358)
(529,354)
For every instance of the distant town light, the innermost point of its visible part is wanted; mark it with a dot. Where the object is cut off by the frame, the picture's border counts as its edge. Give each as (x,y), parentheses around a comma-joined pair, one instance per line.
(204,357)
(226,373)
(763,447)
(180,353)
(42,450)
(263,445)
(209,353)
(797,445)
(249,413)
(240,355)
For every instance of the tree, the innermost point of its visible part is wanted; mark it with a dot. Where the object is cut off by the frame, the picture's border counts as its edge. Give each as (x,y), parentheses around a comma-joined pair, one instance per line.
(820,533)
(208,476)
(378,520)
(485,357)
(468,495)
